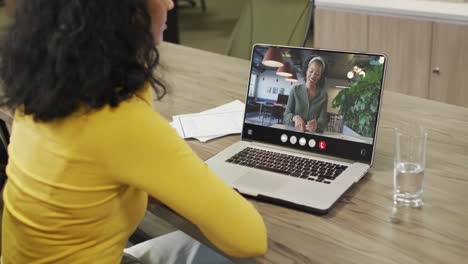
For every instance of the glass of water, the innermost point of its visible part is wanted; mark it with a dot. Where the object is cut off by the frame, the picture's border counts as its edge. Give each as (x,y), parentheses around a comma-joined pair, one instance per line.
(409,163)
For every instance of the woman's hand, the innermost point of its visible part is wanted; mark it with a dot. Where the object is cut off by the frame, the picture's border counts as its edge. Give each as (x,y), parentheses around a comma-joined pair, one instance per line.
(299,123)
(311,125)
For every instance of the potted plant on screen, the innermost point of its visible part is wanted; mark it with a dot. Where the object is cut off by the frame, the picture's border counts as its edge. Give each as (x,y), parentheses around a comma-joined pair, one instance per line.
(358,104)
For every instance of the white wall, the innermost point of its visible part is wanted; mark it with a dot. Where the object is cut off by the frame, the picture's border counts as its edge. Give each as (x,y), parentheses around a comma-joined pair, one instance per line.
(268,80)
(333,91)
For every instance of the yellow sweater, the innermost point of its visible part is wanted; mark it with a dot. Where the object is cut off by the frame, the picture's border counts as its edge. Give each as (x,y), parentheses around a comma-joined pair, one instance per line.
(77,188)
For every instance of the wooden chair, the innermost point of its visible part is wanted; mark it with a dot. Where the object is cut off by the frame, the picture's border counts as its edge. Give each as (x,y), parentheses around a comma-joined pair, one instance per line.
(5,140)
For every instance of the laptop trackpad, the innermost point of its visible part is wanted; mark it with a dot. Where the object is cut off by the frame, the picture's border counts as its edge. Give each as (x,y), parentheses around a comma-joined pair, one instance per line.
(259,183)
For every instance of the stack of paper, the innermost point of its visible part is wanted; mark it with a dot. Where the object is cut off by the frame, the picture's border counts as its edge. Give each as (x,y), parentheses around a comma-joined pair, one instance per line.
(217,122)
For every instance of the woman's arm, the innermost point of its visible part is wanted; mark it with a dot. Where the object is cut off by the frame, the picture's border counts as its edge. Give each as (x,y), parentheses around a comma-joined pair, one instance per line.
(322,120)
(289,111)
(141,149)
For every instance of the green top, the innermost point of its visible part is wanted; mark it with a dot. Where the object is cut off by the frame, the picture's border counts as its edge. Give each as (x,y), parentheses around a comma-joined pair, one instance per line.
(298,104)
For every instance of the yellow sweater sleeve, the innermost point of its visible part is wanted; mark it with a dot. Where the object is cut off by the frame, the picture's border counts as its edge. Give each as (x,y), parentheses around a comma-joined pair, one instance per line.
(142,150)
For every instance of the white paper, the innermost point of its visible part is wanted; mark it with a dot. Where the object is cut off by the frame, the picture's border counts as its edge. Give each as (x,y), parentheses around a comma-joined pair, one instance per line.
(235,105)
(176,125)
(216,122)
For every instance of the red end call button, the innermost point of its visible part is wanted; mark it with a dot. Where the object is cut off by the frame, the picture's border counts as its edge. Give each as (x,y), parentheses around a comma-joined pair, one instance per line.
(322,145)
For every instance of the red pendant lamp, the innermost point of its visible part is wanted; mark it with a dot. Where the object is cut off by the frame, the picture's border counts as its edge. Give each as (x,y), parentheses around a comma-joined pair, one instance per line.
(273,57)
(293,78)
(284,70)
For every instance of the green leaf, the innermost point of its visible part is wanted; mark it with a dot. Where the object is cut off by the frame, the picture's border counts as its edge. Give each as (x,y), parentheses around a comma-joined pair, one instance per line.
(358,104)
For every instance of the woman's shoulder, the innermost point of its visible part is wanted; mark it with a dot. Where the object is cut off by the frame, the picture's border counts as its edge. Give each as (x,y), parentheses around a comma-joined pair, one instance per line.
(298,87)
(132,119)
(127,117)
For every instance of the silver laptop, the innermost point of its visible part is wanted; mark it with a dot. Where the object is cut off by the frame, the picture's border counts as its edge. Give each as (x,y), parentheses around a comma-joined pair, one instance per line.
(310,126)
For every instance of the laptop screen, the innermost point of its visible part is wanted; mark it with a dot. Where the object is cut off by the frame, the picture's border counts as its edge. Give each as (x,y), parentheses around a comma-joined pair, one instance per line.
(316,100)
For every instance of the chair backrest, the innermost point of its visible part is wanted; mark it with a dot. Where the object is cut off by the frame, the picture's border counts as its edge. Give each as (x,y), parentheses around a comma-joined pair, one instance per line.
(282,99)
(4,141)
(277,22)
(278,112)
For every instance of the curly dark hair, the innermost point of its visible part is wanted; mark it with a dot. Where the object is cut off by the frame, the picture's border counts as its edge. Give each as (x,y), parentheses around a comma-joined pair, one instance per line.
(60,54)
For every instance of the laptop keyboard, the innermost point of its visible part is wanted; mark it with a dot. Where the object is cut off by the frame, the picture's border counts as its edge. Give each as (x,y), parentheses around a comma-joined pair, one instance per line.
(304,168)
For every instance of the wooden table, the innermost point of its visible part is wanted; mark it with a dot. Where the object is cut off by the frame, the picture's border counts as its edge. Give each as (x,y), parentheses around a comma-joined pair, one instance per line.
(363,227)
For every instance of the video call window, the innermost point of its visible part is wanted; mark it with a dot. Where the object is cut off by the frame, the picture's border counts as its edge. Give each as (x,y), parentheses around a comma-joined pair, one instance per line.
(333,94)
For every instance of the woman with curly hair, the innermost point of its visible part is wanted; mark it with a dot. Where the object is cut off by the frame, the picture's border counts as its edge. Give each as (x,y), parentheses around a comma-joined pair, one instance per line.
(306,109)
(87,149)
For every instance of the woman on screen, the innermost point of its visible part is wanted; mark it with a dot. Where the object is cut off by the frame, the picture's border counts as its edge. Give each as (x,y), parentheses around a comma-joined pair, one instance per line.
(306,109)
(87,148)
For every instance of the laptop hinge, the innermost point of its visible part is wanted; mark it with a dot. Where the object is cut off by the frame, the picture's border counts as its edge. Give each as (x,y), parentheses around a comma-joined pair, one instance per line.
(364,168)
